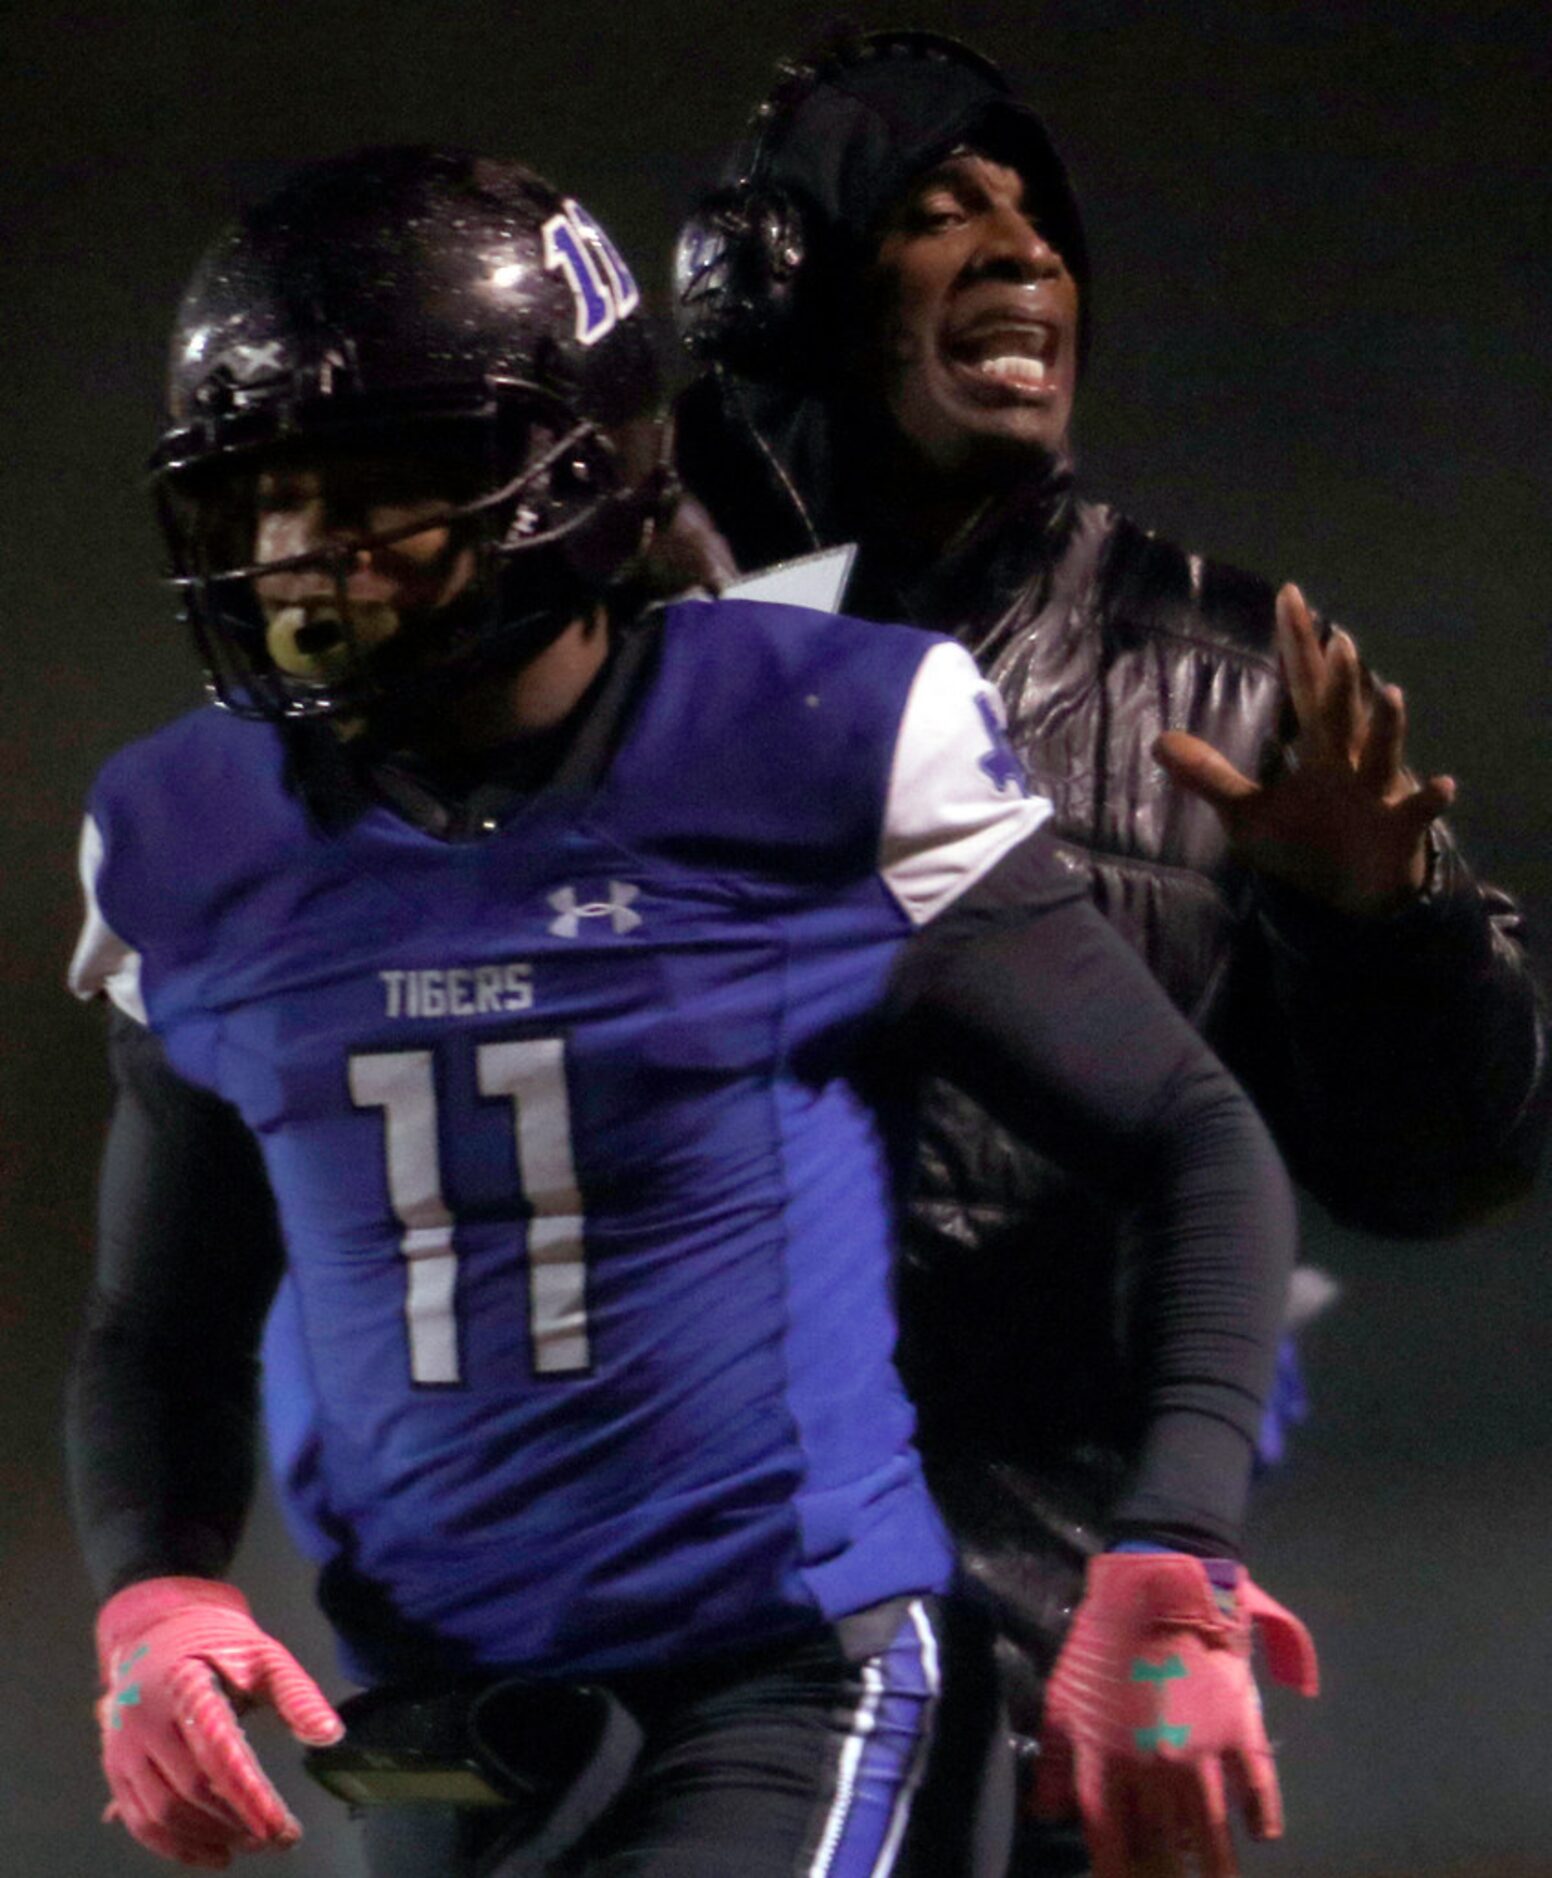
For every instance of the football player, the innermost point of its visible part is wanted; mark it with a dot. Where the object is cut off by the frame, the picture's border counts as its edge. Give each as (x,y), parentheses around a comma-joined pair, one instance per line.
(518,982)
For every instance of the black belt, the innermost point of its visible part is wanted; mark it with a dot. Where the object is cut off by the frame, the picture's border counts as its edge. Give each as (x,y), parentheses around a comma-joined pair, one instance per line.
(555,1755)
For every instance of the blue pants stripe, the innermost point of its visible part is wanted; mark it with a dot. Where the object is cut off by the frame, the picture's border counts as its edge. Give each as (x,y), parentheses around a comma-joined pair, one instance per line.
(883,1755)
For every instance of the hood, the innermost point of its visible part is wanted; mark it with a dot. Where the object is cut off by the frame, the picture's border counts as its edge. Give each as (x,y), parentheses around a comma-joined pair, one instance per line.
(852,138)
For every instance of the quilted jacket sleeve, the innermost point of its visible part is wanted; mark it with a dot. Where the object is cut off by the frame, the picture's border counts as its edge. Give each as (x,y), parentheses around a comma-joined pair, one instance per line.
(1403,1061)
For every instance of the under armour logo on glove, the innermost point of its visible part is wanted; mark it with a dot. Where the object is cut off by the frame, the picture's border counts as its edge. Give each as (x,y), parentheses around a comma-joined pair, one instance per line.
(1152,1714)
(1160,1734)
(616,909)
(125,1694)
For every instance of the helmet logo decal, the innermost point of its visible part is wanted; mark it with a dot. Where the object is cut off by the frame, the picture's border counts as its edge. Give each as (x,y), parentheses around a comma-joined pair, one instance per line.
(602,287)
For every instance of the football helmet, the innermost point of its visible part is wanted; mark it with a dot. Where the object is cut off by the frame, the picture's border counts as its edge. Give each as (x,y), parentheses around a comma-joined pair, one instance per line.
(449,311)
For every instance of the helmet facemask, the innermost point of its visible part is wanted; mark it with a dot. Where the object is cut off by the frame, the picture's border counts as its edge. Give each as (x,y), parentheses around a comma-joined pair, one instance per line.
(540,506)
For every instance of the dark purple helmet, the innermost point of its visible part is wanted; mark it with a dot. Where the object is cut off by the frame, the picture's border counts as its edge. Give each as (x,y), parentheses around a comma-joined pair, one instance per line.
(450,308)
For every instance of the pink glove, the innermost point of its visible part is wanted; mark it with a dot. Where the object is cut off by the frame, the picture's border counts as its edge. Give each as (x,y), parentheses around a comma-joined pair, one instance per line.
(184,1780)
(1152,1702)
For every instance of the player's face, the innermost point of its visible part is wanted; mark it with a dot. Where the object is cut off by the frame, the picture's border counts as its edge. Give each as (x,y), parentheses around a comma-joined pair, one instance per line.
(974,323)
(321,617)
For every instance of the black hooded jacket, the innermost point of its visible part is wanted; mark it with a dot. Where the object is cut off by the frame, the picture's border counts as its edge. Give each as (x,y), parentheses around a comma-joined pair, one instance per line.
(1400,1061)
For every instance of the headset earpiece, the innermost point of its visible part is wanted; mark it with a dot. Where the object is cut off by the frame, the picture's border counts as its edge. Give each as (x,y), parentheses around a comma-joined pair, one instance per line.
(736,271)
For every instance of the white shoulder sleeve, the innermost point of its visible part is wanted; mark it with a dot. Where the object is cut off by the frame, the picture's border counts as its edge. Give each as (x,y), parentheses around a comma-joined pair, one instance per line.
(103,964)
(957,797)
(811,580)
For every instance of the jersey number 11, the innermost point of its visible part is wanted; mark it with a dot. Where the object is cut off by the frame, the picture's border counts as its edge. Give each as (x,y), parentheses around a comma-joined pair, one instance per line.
(531,1075)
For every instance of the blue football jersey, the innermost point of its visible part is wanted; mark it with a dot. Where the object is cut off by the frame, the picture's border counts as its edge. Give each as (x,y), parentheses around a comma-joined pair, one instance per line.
(584,1356)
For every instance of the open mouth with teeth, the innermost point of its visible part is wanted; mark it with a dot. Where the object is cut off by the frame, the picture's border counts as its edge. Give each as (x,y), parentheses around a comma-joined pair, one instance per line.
(1004,361)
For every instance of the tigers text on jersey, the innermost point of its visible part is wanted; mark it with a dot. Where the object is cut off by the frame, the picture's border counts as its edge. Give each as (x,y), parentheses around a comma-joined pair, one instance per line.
(588,1225)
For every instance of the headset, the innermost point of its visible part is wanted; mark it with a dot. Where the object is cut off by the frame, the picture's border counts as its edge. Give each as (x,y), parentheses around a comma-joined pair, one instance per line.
(744,253)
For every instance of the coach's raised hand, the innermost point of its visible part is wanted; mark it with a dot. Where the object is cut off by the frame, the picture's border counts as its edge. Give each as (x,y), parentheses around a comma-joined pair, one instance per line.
(1348,822)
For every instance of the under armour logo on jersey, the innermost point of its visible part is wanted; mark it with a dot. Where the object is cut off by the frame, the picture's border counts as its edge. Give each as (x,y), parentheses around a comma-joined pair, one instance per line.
(616,909)
(999,762)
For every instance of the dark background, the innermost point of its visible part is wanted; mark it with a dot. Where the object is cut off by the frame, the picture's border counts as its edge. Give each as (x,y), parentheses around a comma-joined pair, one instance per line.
(1323,350)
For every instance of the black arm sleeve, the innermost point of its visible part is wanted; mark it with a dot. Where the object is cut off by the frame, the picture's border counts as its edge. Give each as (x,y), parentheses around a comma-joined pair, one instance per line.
(1026,998)
(163,1392)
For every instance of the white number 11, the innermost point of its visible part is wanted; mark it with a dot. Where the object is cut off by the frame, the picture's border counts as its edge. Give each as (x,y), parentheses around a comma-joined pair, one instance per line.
(531,1075)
